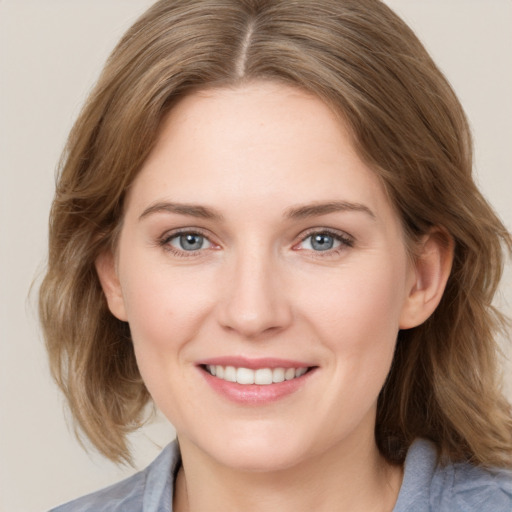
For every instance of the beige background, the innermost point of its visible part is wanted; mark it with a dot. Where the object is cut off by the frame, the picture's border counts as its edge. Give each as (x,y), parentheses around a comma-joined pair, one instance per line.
(51,52)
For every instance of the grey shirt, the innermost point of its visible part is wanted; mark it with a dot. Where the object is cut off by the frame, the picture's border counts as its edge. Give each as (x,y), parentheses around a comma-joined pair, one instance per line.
(427,487)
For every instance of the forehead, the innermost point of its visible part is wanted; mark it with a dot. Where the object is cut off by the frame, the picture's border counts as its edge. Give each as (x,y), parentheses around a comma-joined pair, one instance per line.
(240,146)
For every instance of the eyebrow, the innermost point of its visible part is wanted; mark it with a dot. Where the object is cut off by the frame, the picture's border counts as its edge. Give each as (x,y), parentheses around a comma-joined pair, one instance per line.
(191,210)
(317,209)
(296,212)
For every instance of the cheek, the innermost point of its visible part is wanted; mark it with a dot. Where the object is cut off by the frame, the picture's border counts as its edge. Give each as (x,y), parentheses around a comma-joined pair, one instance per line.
(164,308)
(358,322)
(368,298)
(356,314)
(164,311)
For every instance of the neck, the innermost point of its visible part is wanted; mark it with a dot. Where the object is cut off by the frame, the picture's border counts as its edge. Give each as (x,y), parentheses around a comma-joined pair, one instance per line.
(344,479)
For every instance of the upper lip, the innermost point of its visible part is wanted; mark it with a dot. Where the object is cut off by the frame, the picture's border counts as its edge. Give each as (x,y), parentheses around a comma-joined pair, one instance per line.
(253,363)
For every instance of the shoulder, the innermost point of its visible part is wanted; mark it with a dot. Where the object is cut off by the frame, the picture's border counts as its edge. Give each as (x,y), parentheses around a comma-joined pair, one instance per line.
(462,486)
(149,490)
(431,486)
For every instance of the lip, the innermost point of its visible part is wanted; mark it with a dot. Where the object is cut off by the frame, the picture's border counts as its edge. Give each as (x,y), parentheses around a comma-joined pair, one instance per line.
(254,394)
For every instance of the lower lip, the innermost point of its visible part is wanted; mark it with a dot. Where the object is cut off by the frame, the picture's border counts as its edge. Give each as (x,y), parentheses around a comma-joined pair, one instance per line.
(254,394)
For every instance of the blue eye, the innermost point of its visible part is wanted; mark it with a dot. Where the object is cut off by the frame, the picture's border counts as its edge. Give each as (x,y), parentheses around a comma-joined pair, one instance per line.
(325,241)
(189,242)
(321,242)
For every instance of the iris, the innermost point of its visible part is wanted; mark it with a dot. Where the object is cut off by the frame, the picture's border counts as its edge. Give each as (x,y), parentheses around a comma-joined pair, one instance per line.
(322,242)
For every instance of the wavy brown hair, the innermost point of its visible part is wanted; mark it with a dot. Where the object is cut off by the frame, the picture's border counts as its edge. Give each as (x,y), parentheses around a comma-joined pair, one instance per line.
(406,122)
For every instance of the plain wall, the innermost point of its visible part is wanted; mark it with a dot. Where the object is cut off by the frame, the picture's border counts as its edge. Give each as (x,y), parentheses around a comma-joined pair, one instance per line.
(51,52)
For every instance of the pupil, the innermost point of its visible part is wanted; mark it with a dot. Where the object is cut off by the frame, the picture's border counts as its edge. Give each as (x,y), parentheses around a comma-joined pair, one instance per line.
(322,242)
(191,242)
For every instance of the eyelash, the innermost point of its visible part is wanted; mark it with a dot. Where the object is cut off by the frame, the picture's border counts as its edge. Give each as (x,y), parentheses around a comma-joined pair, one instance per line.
(165,240)
(345,240)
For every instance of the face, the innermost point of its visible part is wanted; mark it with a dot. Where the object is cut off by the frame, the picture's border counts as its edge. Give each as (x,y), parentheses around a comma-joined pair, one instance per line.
(264,276)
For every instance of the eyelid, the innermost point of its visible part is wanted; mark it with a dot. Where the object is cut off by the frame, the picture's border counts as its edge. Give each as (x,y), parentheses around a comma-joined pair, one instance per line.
(164,241)
(167,235)
(178,238)
(342,236)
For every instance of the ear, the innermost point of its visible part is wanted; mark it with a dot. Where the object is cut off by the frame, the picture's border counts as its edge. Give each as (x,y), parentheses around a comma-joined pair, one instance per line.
(107,272)
(429,274)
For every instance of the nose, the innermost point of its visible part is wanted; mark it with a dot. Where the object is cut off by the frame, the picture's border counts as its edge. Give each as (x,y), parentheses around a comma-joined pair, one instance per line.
(255,302)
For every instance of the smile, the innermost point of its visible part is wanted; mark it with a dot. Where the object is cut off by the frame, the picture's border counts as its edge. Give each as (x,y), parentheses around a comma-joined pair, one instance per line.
(260,376)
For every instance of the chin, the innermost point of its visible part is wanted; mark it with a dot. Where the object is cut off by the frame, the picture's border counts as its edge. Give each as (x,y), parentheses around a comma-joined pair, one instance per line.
(262,451)
(258,459)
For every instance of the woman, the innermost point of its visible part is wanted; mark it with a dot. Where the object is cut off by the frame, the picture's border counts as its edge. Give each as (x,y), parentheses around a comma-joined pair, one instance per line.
(266,223)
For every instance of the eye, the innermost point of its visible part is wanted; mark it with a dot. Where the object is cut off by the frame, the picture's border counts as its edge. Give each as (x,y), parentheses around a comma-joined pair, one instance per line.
(189,242)
(320,242)
(323,241)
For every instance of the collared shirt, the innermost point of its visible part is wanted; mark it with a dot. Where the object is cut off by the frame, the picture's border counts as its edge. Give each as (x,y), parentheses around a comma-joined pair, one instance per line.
(427,487)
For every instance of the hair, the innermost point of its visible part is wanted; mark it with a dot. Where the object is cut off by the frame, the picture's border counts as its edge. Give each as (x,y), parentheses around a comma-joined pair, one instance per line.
(406,122)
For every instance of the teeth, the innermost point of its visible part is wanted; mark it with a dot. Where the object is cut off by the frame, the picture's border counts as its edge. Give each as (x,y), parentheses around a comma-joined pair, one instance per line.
(278,375)
(300,372)
(262,376)
(230,374)
(244,376)
(289,374)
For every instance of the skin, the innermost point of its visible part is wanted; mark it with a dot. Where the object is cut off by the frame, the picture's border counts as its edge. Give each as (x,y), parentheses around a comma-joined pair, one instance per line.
(257,287)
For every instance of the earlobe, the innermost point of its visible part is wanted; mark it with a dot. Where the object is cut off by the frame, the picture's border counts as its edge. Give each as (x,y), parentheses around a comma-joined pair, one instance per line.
(109,280)
(431,269)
